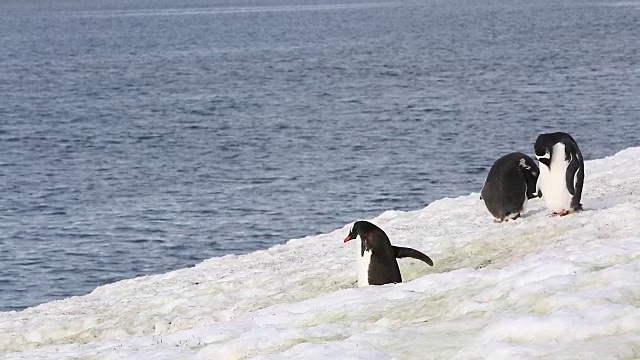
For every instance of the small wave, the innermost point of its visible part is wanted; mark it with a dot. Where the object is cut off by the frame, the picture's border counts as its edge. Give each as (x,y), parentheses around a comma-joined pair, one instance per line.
(229,10)
(621,3)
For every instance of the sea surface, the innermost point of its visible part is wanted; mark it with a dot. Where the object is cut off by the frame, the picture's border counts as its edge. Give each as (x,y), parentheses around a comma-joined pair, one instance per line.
(138,137)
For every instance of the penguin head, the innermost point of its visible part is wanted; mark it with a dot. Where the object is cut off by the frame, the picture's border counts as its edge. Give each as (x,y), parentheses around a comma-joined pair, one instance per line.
(368,232)
(544,149)
(359,228)
(372,238)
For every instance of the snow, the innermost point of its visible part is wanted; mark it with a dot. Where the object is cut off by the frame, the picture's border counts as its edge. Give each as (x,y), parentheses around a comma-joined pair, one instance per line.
(534,288)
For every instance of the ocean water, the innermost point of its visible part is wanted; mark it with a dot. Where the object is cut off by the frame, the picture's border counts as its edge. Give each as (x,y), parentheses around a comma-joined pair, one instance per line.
(137,138)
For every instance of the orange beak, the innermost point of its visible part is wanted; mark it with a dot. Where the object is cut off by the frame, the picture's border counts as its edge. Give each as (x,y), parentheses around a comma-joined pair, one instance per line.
(348,238)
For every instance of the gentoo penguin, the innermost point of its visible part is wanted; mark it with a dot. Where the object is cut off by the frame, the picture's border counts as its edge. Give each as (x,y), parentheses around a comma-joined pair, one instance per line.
(510,183)
(561,172)
(377,263)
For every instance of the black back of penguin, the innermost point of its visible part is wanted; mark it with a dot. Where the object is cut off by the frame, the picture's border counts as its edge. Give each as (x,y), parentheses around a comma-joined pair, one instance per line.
(510,182)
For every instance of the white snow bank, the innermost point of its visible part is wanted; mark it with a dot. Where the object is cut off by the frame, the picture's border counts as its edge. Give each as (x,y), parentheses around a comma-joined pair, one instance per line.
(538,287)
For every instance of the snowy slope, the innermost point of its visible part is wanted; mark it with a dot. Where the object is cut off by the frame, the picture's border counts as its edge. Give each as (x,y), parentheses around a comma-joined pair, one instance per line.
(538,287)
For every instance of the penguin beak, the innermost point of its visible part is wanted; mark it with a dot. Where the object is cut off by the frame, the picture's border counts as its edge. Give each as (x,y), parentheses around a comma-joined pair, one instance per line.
(546,162)
(348,238)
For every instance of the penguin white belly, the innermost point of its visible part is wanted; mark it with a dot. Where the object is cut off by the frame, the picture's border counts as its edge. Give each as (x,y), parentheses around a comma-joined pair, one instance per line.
(364,259)
(553,182)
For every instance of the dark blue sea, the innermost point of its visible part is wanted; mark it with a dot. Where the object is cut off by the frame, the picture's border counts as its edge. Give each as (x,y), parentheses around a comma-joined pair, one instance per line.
(139,137)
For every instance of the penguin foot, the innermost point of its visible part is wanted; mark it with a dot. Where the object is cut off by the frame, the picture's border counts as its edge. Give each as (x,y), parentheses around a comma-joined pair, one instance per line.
(507,217)
(562,213)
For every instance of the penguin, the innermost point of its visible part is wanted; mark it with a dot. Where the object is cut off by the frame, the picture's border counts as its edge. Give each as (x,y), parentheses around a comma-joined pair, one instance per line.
(511,182)
(561,172)
(376,258)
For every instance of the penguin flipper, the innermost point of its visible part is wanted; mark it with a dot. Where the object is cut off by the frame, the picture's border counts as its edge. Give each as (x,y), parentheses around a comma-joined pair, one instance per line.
(403,252)
(572,171)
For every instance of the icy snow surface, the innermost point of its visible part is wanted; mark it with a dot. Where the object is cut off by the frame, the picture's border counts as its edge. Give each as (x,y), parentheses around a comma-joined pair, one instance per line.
(534,288)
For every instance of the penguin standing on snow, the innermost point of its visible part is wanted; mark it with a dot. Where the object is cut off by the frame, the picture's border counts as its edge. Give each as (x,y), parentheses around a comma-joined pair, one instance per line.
(511,182)
(561,172)
(377,263)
